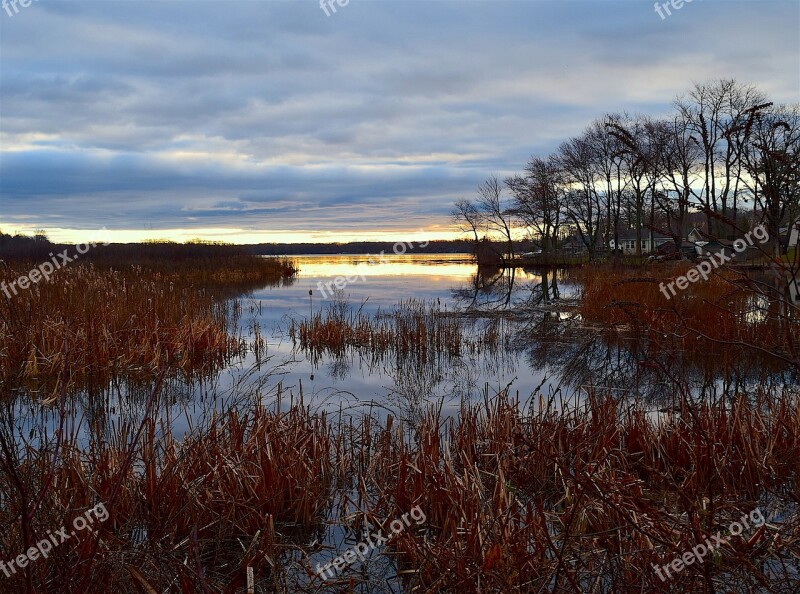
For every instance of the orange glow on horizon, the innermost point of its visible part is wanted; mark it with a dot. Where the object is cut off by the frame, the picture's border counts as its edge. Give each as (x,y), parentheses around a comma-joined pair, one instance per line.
(456,266)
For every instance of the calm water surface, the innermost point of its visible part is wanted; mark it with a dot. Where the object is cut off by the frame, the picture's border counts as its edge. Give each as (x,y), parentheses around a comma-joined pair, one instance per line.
(445,280)
(356,381)
(542,349)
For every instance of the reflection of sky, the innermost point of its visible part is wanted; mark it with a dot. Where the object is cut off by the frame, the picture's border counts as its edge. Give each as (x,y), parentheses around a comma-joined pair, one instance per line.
(357,383)
(364,384)
(429,277)
(423,277)
(447,266)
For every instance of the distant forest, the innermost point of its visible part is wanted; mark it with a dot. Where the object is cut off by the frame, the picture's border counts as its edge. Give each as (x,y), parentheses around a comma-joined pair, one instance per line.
(459,246)
(39,246)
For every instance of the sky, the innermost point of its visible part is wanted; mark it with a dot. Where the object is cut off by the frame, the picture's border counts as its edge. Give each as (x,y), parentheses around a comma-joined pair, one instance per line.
(266,120)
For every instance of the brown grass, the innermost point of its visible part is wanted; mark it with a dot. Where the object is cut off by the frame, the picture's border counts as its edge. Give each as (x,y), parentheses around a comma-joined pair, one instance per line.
(240,493)
(560,498)
(587,499)
(90,324)
(577,499)
(412,329)
(717,321)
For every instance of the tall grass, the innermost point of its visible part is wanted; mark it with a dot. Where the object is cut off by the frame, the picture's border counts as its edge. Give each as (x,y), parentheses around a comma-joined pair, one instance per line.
(715,322)
(187,515)
(413,328)
(558,498)
(90,323)
(586,499)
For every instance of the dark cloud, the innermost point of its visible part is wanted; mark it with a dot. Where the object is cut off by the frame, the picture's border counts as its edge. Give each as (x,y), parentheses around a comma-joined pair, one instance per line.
(270,115)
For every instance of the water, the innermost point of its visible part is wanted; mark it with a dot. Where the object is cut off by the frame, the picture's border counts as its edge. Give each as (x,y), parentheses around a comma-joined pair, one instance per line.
(543,348)
(447,280)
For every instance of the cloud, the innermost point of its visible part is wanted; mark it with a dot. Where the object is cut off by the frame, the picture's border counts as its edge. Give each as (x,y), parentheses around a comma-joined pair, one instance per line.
(269,115)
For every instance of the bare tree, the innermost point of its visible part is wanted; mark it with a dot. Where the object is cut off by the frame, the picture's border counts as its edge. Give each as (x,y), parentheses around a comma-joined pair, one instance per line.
(608,158)
(677,158)
(638,155)
(723,149)
(497,213)
(537,200)
(467,217)
(772,161)
(582,203)
(715,113)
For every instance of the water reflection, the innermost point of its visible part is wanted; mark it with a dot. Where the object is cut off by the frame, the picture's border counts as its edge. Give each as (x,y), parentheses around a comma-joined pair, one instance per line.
(521,329)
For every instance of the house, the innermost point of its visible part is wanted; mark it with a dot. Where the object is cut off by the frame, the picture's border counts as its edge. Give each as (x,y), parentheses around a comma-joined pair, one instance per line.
(793,233)
(627,241)
(669,251)
(695,236)
(714,247)
(727,247)
(574,244)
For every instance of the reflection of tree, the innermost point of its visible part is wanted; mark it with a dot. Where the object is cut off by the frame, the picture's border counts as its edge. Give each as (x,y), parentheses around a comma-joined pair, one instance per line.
(545,291)
(489,288)
(492,289)
(582,356)
(557,340)
(416,382)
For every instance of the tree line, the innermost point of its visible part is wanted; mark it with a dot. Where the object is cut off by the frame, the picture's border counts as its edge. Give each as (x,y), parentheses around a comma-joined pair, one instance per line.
(725,151)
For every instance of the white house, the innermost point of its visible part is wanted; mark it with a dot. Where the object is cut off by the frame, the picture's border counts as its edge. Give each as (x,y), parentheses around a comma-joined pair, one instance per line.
(627,241)
(695,236)
(793,233)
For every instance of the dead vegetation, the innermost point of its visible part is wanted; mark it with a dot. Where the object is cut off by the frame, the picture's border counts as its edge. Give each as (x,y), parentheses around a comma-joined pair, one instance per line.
(92,323)
(567,496)
(715,322)
(585,499)
(558,498)
(413,328)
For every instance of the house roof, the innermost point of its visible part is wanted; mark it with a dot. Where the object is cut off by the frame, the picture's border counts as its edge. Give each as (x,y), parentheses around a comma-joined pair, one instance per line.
(576,238)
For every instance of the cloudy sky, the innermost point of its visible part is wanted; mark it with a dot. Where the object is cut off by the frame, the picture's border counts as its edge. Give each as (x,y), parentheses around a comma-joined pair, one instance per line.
(266,120)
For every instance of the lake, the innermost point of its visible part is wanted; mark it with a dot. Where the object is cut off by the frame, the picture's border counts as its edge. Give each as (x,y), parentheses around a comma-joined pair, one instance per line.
(446,280)
(539,347)
(420,332)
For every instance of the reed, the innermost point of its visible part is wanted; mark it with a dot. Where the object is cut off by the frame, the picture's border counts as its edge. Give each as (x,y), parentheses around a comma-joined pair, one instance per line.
(413,328)
(715,323)
(92,323)
(193,513)
(588,498)
(554,497)
(557,496)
